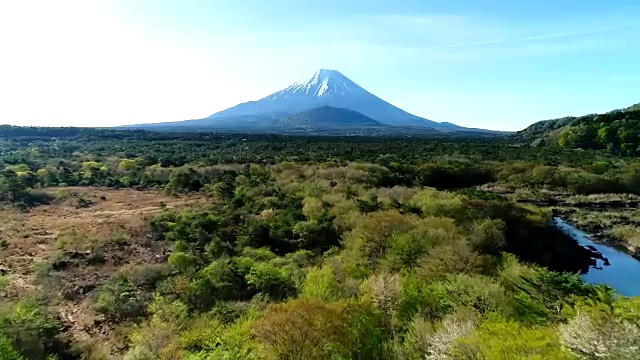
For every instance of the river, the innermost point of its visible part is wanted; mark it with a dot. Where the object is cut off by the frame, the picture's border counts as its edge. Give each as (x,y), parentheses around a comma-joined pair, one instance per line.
(621,271)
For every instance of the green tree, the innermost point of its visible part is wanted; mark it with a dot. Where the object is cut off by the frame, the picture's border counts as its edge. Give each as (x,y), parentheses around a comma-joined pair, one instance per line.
(128,165)
(502,339)
(303,330)
(11,188)
(268,279)
(46,177)
(26,329)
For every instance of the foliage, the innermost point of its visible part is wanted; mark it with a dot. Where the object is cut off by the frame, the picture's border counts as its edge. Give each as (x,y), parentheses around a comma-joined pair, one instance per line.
(498,338)
(303,329)
(27,331)
(426,340)
(594,334)
(616,132)
(7,351)
(119,300)
(331,247)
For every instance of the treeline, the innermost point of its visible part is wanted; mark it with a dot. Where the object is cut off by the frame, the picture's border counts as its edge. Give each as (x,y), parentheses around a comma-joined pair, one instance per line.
(596,178)
(176,149)
(41,157)
(19,182)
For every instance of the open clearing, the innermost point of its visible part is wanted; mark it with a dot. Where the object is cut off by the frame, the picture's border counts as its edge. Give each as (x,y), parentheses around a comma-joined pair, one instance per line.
(69,248)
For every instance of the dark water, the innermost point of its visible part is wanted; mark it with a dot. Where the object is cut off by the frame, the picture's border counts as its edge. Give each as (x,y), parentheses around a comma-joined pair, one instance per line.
(622,271)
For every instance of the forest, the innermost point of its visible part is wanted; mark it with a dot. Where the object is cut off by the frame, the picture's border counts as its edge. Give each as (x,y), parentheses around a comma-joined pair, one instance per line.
(616,132)
(142,245)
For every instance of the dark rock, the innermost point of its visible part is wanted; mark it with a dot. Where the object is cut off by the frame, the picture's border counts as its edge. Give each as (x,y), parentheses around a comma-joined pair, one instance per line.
(60,265)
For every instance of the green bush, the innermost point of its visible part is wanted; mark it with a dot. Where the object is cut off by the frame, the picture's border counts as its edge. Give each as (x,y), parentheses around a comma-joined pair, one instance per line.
(26,329)
(303,329)
(269,280)
(225,283)
(183,262)
(321,284)
(367,336)
(427,300)
(501,339)
(147,276)
(119,300)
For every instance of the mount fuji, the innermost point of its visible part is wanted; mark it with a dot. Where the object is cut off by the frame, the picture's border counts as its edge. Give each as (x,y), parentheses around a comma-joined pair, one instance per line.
(330,88)
(326,101)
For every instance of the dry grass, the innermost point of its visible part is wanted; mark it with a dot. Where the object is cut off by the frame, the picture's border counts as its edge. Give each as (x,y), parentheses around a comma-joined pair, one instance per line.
(66,250)
(518,193)
(34,235)
(617,226)
(630,234)
(603,198)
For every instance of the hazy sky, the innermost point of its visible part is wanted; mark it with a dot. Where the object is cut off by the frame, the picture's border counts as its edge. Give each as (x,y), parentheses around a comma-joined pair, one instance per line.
(497,64)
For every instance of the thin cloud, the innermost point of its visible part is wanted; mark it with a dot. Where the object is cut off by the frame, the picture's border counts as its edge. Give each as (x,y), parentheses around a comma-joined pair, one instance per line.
(533,38)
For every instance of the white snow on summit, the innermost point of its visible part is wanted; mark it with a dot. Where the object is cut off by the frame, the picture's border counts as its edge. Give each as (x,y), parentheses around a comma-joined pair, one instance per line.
(321,83)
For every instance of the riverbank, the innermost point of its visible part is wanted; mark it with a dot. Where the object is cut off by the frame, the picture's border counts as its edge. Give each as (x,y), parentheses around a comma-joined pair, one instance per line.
(613,226)
(610,219)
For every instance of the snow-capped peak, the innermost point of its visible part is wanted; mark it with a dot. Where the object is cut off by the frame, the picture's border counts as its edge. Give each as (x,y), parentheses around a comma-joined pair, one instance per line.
(325,88)
(322,83)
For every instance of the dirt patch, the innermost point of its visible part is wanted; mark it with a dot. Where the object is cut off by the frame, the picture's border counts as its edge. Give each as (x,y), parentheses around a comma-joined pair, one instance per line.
(68,249)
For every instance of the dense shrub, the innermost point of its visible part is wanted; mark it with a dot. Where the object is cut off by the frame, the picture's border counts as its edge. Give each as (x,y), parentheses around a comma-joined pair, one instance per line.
(119,300)
(498,338)
(27,331)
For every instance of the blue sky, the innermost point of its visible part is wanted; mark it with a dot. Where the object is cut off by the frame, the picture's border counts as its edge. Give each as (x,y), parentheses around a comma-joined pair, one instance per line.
(496,64)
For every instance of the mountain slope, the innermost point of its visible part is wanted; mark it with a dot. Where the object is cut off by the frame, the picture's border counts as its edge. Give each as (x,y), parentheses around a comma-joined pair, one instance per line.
(635,107)
(617,131)
(543,128)
(238,122)
(330,88)
(327,116)
(324,118)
